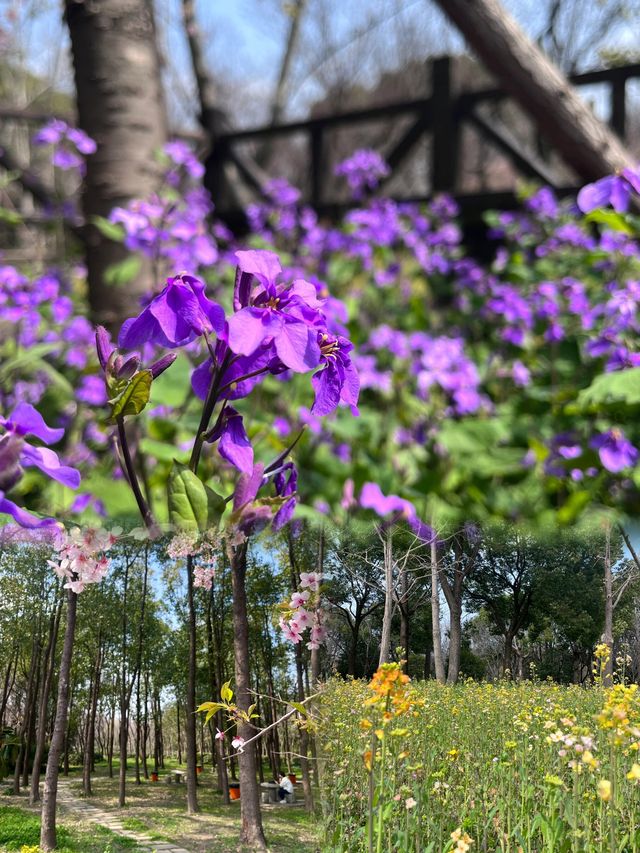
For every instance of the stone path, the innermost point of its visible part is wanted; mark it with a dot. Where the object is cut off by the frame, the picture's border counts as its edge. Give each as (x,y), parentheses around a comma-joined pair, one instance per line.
(111,820)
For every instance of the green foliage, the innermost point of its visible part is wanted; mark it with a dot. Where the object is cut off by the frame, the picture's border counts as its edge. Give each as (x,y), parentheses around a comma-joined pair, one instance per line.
(193,505)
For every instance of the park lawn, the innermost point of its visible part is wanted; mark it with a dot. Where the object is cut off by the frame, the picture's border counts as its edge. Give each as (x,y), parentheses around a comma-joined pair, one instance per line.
(159,810)
(20,826)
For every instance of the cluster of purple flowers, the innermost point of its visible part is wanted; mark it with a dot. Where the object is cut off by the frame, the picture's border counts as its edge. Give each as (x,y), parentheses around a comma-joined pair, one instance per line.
(364,170)
(70,145)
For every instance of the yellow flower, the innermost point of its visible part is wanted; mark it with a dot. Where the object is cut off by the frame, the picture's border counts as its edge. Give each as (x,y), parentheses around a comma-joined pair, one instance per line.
(634,773)
(604,790)
(365,724)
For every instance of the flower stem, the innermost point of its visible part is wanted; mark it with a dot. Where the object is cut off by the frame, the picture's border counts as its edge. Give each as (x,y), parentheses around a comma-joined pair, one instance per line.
(132,477)
(207,410)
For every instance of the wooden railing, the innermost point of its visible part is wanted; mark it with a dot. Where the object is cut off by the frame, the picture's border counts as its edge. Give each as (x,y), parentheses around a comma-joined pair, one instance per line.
(442,115)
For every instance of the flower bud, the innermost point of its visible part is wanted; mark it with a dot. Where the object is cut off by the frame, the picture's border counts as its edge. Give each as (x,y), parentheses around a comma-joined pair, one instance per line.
(103,346)
(127,368)
(162,364)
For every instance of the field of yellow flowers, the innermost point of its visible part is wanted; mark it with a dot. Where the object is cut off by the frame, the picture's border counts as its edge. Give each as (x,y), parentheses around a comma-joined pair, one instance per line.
(527,767)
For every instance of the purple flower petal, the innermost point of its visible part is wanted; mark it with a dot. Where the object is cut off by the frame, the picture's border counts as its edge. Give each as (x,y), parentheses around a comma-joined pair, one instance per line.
(25,420)
(297,346)
(234,445)
(249,328)
(24,518)
(47,461)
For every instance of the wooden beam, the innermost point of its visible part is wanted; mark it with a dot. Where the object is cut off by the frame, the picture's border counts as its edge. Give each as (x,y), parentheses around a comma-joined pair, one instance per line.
(586,144)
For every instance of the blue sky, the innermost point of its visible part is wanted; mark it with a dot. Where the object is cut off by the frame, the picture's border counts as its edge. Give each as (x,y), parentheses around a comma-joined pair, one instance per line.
(244,40)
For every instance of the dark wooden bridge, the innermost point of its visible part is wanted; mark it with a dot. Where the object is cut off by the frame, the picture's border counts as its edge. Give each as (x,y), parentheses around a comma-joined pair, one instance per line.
(441,115)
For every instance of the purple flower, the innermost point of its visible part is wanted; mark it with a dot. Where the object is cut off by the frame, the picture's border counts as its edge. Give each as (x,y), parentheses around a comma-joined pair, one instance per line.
(615,450)
(21,516)
(16,453)
(614,190)
(286,316)
(338,379)
(286,483)
(363,170)
(371,497)
(179,314)
(234,444)
(25,420)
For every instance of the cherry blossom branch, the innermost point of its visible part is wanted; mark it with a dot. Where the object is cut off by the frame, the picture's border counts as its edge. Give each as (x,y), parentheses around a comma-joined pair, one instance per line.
(276,723)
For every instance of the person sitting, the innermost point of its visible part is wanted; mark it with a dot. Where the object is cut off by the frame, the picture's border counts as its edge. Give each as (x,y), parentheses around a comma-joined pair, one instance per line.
(285,786)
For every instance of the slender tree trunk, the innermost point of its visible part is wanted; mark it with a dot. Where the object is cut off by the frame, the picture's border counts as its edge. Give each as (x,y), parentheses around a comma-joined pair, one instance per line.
(404,616)
(585,143)
(217,745)
(304,734)
(385,640)
(179,735)
(49,800)
(607,635)
(9,681)
(190,722)
(438,657)
(50,663)
(121,106)
(112,734)
(22,758)
(252,833)
(91,724)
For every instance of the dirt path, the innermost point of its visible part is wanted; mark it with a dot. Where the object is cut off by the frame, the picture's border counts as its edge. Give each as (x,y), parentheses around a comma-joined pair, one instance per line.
(110,819)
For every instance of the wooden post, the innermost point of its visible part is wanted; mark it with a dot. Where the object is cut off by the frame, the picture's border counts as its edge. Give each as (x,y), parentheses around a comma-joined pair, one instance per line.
(618,116)
(316,150)
(444,151)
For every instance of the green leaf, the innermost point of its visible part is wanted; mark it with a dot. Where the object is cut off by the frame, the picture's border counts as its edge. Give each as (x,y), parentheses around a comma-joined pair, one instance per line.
(226,693)
(188,504)
(108,229)
(192,504)
(620,386)
(300,708)
(614,221)
(124,271)
(133,397)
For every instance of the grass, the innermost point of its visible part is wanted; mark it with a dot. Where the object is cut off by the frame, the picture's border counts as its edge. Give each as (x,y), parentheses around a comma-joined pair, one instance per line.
(159,810)
(20,827)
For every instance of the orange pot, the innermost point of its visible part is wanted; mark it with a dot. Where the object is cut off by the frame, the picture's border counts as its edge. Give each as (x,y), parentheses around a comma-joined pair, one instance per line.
(293,778)
(154,777)
(199,769)
(234,792)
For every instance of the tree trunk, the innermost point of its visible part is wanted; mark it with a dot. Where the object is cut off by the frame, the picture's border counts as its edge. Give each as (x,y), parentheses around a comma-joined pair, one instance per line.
(607,634)
(563,118)
(385,640)
(455,642)
(178,727)
(217,745)
(49,800)
(251,833)
(34,665)
(121,106)
(50,663)
(404,617)
(507,657)
(91,723)
(438,658)
(190,721)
